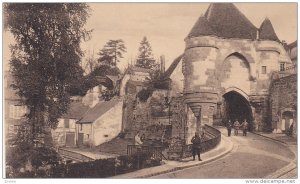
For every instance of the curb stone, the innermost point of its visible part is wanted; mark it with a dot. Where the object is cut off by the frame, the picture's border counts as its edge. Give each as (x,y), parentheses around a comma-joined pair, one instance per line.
(282,171)
(272,138)
(177,168)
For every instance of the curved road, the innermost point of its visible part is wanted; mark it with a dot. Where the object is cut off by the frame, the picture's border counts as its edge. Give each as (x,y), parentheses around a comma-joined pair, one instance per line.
(252,157)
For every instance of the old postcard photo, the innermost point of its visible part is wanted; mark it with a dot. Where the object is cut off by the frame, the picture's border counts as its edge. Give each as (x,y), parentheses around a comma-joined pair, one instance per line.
(150,90)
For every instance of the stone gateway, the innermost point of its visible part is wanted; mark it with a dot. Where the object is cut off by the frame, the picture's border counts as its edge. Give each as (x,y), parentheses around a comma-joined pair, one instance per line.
(228,66)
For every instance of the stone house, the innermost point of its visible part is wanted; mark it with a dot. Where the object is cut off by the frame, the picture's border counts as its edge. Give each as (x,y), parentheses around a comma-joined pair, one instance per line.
(89,116)
(65,135)
(100,123)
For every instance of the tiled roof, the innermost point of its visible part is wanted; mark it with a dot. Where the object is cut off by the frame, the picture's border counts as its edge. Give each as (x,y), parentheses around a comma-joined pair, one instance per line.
(224,20)
(201,27)
(266,31)
(98,110)
(76,111)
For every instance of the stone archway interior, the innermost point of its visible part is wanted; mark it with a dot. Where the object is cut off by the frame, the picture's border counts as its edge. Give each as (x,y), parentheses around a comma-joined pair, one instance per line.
(236,107)
(287,120)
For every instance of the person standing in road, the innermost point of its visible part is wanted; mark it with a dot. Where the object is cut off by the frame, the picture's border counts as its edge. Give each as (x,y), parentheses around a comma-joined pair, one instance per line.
(236,127)
(229,127)
(245,127)
(196,140)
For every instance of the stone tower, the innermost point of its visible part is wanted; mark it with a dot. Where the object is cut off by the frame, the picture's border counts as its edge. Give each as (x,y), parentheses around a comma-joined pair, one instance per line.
(228,65)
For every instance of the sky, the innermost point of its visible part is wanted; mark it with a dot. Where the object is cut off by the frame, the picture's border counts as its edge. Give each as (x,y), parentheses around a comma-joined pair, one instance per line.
(167,24)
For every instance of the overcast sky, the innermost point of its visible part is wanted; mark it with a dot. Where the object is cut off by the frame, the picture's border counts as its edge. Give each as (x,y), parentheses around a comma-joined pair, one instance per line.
(167,24)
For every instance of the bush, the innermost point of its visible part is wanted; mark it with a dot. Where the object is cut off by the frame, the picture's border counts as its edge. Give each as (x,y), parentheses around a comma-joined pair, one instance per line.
(41,159)
(103,168)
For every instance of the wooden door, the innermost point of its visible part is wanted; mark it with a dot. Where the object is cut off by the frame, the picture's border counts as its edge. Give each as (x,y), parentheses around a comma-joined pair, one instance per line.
(80,139)
(70,139)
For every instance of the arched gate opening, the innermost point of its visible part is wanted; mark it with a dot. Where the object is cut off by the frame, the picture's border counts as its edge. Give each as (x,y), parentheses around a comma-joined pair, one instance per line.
(237,107)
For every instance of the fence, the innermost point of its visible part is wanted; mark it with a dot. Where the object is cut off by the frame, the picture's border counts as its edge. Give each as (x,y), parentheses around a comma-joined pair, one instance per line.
(155,151)
(214,138)
(74,156)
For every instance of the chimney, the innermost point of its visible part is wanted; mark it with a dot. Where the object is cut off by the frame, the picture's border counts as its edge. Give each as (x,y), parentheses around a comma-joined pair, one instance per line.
(162,63)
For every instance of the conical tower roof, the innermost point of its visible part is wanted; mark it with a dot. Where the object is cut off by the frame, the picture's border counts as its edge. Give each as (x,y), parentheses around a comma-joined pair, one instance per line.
(201,28)
(266,31)
(226,21)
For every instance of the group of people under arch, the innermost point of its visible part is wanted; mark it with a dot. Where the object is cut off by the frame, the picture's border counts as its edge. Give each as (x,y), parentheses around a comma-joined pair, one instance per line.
(236,126)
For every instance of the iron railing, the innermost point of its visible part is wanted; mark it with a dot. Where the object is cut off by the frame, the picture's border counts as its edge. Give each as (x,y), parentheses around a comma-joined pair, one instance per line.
(154,151)
(213,140)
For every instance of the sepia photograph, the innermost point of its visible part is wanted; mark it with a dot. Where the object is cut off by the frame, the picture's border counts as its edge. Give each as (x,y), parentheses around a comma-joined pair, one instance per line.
(150,91)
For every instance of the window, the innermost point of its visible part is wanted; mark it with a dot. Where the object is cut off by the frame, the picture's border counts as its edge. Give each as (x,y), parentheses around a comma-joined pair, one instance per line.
(67,123)
(81,126)
(282,66)
(263,69)
(17,111)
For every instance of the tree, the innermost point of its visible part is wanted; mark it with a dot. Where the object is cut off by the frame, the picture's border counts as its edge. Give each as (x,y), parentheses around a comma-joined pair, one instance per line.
(46,57)
(91,62)
(145,57)
(112,52)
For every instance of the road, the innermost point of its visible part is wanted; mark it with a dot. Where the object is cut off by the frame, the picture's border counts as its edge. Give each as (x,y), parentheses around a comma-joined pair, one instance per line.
(252,157)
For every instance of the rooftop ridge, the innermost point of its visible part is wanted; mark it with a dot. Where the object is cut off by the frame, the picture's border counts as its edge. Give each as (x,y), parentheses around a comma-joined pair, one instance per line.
(224,20)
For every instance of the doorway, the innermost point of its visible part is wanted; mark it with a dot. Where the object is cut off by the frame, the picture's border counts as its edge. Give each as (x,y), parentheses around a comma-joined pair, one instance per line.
(286,120)
(237,107)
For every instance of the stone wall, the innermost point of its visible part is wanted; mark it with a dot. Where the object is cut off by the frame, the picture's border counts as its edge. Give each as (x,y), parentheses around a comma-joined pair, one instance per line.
(108,126)
(178,118)
(144,116)
(283,98)
(136,115)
